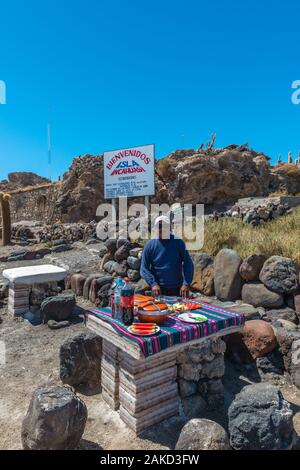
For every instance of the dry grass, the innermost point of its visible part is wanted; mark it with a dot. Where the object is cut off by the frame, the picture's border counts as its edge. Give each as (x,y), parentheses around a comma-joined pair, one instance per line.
(278,237)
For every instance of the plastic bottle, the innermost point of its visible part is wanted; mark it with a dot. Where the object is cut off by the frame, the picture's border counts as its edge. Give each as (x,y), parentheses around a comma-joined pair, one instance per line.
(127,303)
(117,298)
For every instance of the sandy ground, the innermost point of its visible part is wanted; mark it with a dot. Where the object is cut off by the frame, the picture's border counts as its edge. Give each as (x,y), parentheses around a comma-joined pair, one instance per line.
(32,358)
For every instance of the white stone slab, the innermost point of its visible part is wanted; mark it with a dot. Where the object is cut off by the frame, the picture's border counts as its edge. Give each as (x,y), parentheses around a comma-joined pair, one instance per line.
(35,274)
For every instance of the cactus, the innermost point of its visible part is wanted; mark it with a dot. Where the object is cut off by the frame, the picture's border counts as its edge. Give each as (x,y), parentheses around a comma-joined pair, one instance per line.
(6,219)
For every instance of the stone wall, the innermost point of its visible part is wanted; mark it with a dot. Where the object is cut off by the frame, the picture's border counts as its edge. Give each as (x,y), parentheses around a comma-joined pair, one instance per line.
(200,371)
(37,203)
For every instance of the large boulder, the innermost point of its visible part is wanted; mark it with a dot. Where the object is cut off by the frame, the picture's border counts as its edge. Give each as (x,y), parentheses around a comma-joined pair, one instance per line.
(203,280)
(122,252)
(251,267)
(59,307)
(80,359)
(255,340)
(55,419)
(202,434)
(77,283)
(96,285)
(256,294)
(134,262)
(227,279)
(260,419)
(280,274)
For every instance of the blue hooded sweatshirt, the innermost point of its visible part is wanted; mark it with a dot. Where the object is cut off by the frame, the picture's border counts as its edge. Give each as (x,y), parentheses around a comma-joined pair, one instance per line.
(167,262)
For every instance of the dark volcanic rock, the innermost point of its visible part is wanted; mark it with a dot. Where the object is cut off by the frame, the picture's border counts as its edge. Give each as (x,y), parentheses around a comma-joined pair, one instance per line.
(58,308)
(80,359)
(280,275)
(55,419)
(260,419)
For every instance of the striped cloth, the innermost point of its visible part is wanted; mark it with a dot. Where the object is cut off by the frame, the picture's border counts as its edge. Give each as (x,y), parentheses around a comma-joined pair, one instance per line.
(174,331)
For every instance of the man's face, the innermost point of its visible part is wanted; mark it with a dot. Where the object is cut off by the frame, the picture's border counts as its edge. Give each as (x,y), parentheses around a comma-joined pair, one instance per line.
(163,230)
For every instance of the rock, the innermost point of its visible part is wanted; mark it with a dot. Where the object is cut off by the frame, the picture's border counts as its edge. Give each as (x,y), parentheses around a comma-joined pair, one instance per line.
(111,245)
(87,284)
(80,359)
(297,304)
(133,275)
(103,251)
(295,363)
(77,283)
(58,308)
(109,267)
(249,311)
(96,285)
(255,340)
(141,287)
(55,419)
(251,267)
(203,280)
(56,325)
(281,313)
(121,268)
(251,216)
(214,369)
(285,339)
(42,252)
(103,298)
(258,295)
(134,263)
(61,241)
(122,253)
(263,213)
(187,388)
(288,325)
(61,248)
(193,406)
(227,280)
(136,252)
(260,419)
(270,364)
(202,434)
(280,275)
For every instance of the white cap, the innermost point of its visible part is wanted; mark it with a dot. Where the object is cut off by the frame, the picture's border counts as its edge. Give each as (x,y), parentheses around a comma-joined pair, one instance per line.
(162,218)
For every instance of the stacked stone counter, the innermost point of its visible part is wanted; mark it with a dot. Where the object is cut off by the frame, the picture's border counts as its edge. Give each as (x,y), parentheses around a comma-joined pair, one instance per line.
(200,371)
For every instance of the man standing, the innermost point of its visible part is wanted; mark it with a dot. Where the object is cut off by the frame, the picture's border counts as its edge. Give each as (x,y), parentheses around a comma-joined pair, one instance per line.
(166,264)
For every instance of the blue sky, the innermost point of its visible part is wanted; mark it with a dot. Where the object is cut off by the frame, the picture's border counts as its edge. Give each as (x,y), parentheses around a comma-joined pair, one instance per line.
(123,73)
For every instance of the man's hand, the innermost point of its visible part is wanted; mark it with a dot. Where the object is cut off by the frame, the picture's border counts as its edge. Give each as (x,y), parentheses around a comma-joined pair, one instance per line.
(156,290)
(185,290)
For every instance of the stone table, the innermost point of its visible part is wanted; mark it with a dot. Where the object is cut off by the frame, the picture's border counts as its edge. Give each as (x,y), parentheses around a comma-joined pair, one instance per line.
(21,280)
(144,389)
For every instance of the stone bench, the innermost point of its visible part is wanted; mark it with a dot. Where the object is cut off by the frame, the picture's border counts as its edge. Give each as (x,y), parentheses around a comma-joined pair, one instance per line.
(21,280)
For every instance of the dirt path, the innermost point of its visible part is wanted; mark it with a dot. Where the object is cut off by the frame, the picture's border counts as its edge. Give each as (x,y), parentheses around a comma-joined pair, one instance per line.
(32,358)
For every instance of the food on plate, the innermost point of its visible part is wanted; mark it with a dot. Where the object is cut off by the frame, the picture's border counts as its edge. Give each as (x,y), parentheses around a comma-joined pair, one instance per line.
(140,299)
(152,306)
(192,305)
(143,328)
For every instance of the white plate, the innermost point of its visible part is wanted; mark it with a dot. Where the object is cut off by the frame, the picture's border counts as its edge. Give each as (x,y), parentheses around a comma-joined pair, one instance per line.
(192,317)
(157,329)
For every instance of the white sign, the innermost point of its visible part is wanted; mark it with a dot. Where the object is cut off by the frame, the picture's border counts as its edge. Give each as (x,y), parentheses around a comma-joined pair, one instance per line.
(129,172)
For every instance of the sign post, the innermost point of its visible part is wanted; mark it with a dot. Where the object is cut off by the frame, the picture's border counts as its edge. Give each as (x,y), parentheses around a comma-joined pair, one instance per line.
(129,173)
